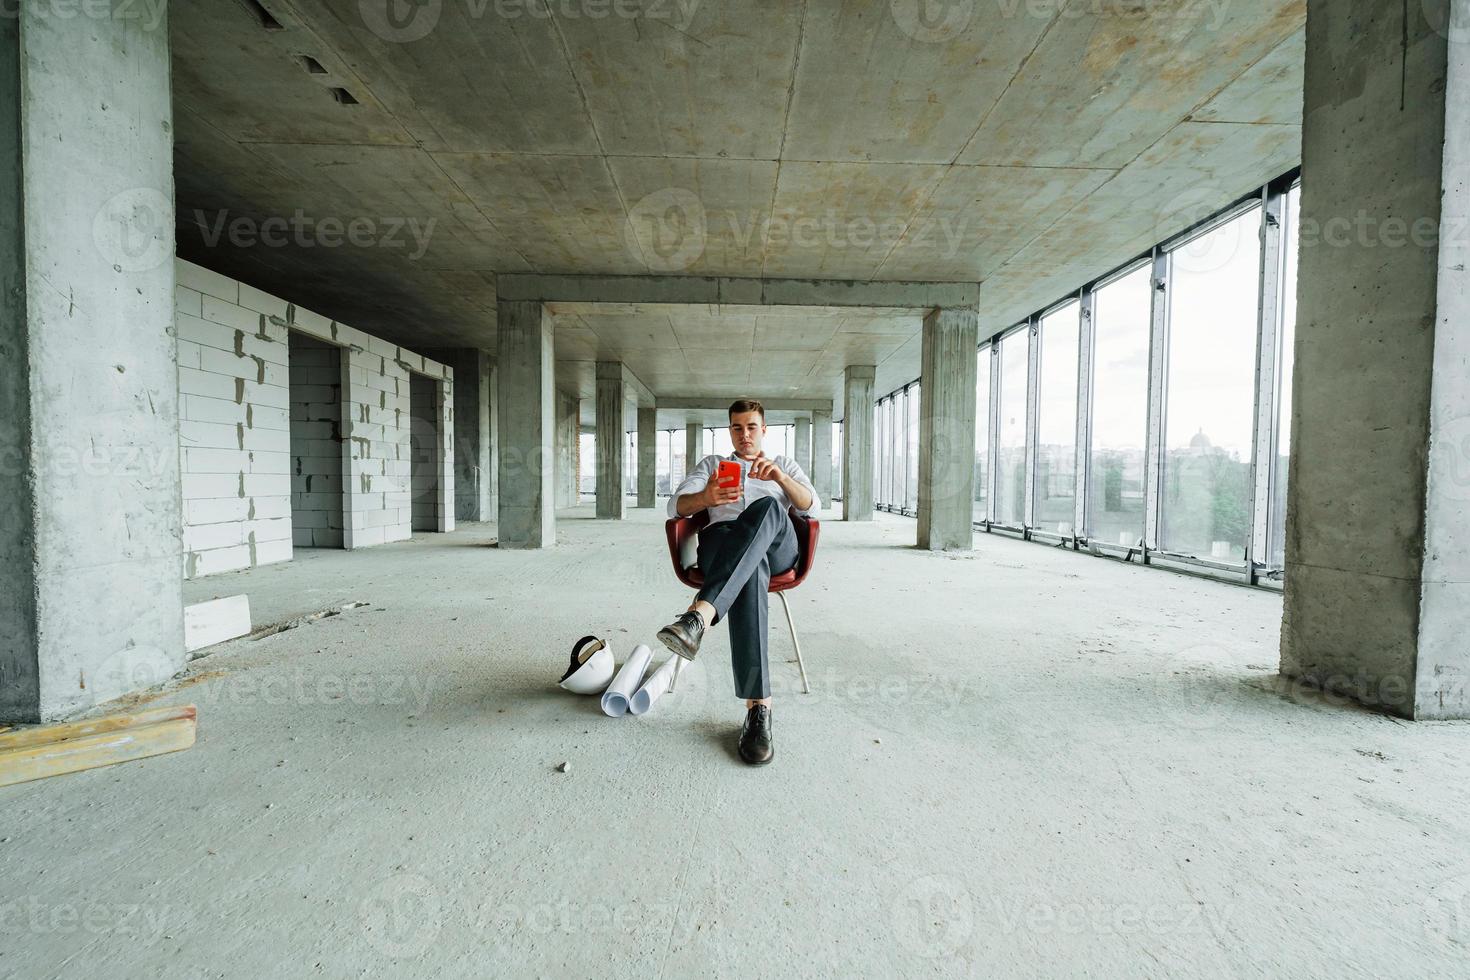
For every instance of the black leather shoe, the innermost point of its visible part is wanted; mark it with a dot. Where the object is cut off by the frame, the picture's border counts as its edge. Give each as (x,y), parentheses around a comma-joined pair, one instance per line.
(683,635)
(756,746)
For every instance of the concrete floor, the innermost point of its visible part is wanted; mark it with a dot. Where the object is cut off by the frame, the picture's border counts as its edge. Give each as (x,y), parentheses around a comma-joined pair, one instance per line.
(1016,762)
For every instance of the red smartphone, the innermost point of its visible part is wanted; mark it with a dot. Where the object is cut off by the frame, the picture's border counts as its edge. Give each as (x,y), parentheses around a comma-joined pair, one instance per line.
(728,474)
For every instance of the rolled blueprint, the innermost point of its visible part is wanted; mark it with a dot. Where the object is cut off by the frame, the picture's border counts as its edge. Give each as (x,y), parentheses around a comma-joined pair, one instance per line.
(615,698)
(654,688)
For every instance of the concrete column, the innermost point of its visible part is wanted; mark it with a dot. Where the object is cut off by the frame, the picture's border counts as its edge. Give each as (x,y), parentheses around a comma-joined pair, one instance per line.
(612,438)
(693,445)
(947,429)
(1377,602)
(568,426)
(525,397)
(490,458)
(821,471)
(804,444)
(647,455)
(91,555)
(857,442)
(474,468)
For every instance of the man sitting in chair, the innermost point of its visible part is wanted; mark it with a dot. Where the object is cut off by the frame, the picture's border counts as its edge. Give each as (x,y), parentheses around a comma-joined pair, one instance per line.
(749,538)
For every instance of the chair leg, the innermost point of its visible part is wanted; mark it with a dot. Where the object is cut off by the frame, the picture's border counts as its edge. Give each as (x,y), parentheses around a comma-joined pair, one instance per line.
(678,669)
(806,688)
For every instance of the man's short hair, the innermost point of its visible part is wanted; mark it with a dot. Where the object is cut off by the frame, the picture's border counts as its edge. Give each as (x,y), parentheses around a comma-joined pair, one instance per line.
(748,405)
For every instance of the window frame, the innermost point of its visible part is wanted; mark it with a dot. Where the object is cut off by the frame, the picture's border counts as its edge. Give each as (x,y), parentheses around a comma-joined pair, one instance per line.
(1085,511)
(1266,435)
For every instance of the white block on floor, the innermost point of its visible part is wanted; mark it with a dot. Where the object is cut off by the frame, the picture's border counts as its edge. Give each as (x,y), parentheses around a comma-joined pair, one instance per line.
(208,623)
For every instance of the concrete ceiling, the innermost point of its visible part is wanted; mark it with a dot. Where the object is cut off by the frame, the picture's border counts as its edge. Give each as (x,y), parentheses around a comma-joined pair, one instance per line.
(1027,145)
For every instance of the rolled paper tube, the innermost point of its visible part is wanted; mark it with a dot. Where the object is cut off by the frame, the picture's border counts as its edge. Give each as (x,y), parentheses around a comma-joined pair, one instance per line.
(654,688)
(615,698)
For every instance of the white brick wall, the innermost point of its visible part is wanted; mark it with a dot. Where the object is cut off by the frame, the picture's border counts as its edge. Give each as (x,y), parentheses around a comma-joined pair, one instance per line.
(317,451)
(232,425)
(235,427)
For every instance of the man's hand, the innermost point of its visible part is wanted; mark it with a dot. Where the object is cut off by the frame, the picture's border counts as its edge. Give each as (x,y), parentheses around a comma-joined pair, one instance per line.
(763,469)
(714,495)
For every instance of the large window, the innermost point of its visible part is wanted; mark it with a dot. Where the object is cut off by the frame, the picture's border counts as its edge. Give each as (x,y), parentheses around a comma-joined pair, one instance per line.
(897,437)
(664,483)
(887,419)
(720,442)
(1209,406)
(979,512)
(880,453)
(892,457)
(1121,322)
(895,451)
(678,466)
(1290,237)
(836,460)
(877,445)
(1056,422)
(1010,492)
(780,441)
(587,463)
(631,463)
(911,450)
(1187,427)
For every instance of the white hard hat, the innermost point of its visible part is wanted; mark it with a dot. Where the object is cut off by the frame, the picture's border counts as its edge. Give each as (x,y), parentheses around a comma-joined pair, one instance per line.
(591,668)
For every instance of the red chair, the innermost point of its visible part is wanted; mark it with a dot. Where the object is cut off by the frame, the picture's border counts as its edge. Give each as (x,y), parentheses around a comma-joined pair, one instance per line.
(682,533)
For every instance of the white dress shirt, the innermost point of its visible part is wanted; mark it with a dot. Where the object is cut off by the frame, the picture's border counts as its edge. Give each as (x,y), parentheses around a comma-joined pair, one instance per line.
(700,476)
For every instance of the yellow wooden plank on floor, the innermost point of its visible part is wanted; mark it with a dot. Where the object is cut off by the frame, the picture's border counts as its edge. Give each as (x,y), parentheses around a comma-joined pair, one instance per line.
(45,734)
(92,751)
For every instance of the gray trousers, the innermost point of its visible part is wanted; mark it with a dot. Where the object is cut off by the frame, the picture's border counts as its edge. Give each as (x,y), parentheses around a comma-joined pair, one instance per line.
(738,558)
